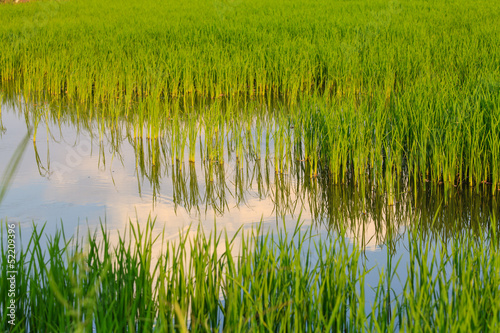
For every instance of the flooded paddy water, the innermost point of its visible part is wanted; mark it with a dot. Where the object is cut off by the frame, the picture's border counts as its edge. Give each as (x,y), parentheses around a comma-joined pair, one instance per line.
(84,173)
(80,174)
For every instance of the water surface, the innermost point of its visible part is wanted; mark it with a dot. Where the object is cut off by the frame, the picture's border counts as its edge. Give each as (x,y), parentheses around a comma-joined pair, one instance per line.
(82,173)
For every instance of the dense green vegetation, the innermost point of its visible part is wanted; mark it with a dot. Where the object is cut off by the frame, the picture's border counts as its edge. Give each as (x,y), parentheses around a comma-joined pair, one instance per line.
(381,95)
(123,49)
(391,89)
(264,282)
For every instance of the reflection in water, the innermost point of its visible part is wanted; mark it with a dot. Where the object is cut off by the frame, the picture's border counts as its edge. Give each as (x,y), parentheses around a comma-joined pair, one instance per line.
(230,164)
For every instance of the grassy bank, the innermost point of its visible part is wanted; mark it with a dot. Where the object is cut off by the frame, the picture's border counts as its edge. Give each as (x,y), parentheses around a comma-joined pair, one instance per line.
(208,283)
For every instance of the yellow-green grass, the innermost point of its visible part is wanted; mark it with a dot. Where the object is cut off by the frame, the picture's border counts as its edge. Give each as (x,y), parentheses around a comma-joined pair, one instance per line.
(97,51)
(372,88)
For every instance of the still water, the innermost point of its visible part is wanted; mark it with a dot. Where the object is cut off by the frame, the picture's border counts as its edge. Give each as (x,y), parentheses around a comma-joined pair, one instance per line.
(80,174)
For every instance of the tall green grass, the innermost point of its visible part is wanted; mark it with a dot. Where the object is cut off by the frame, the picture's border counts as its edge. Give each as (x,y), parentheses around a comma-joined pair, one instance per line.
(123,50)
(290,280)
(371,89)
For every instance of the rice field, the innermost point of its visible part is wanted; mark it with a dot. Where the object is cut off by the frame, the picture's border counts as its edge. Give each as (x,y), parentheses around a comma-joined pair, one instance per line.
(361,112)
(370,88)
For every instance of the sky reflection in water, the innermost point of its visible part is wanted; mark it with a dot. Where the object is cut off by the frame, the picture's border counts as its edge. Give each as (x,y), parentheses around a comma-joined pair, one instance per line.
(79,175)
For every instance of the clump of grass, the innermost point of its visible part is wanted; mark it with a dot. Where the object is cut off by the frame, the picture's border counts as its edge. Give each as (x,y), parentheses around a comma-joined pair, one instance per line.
(270,281)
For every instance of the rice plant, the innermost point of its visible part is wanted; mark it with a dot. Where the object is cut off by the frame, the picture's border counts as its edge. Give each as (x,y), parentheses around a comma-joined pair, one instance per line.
(289,280)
